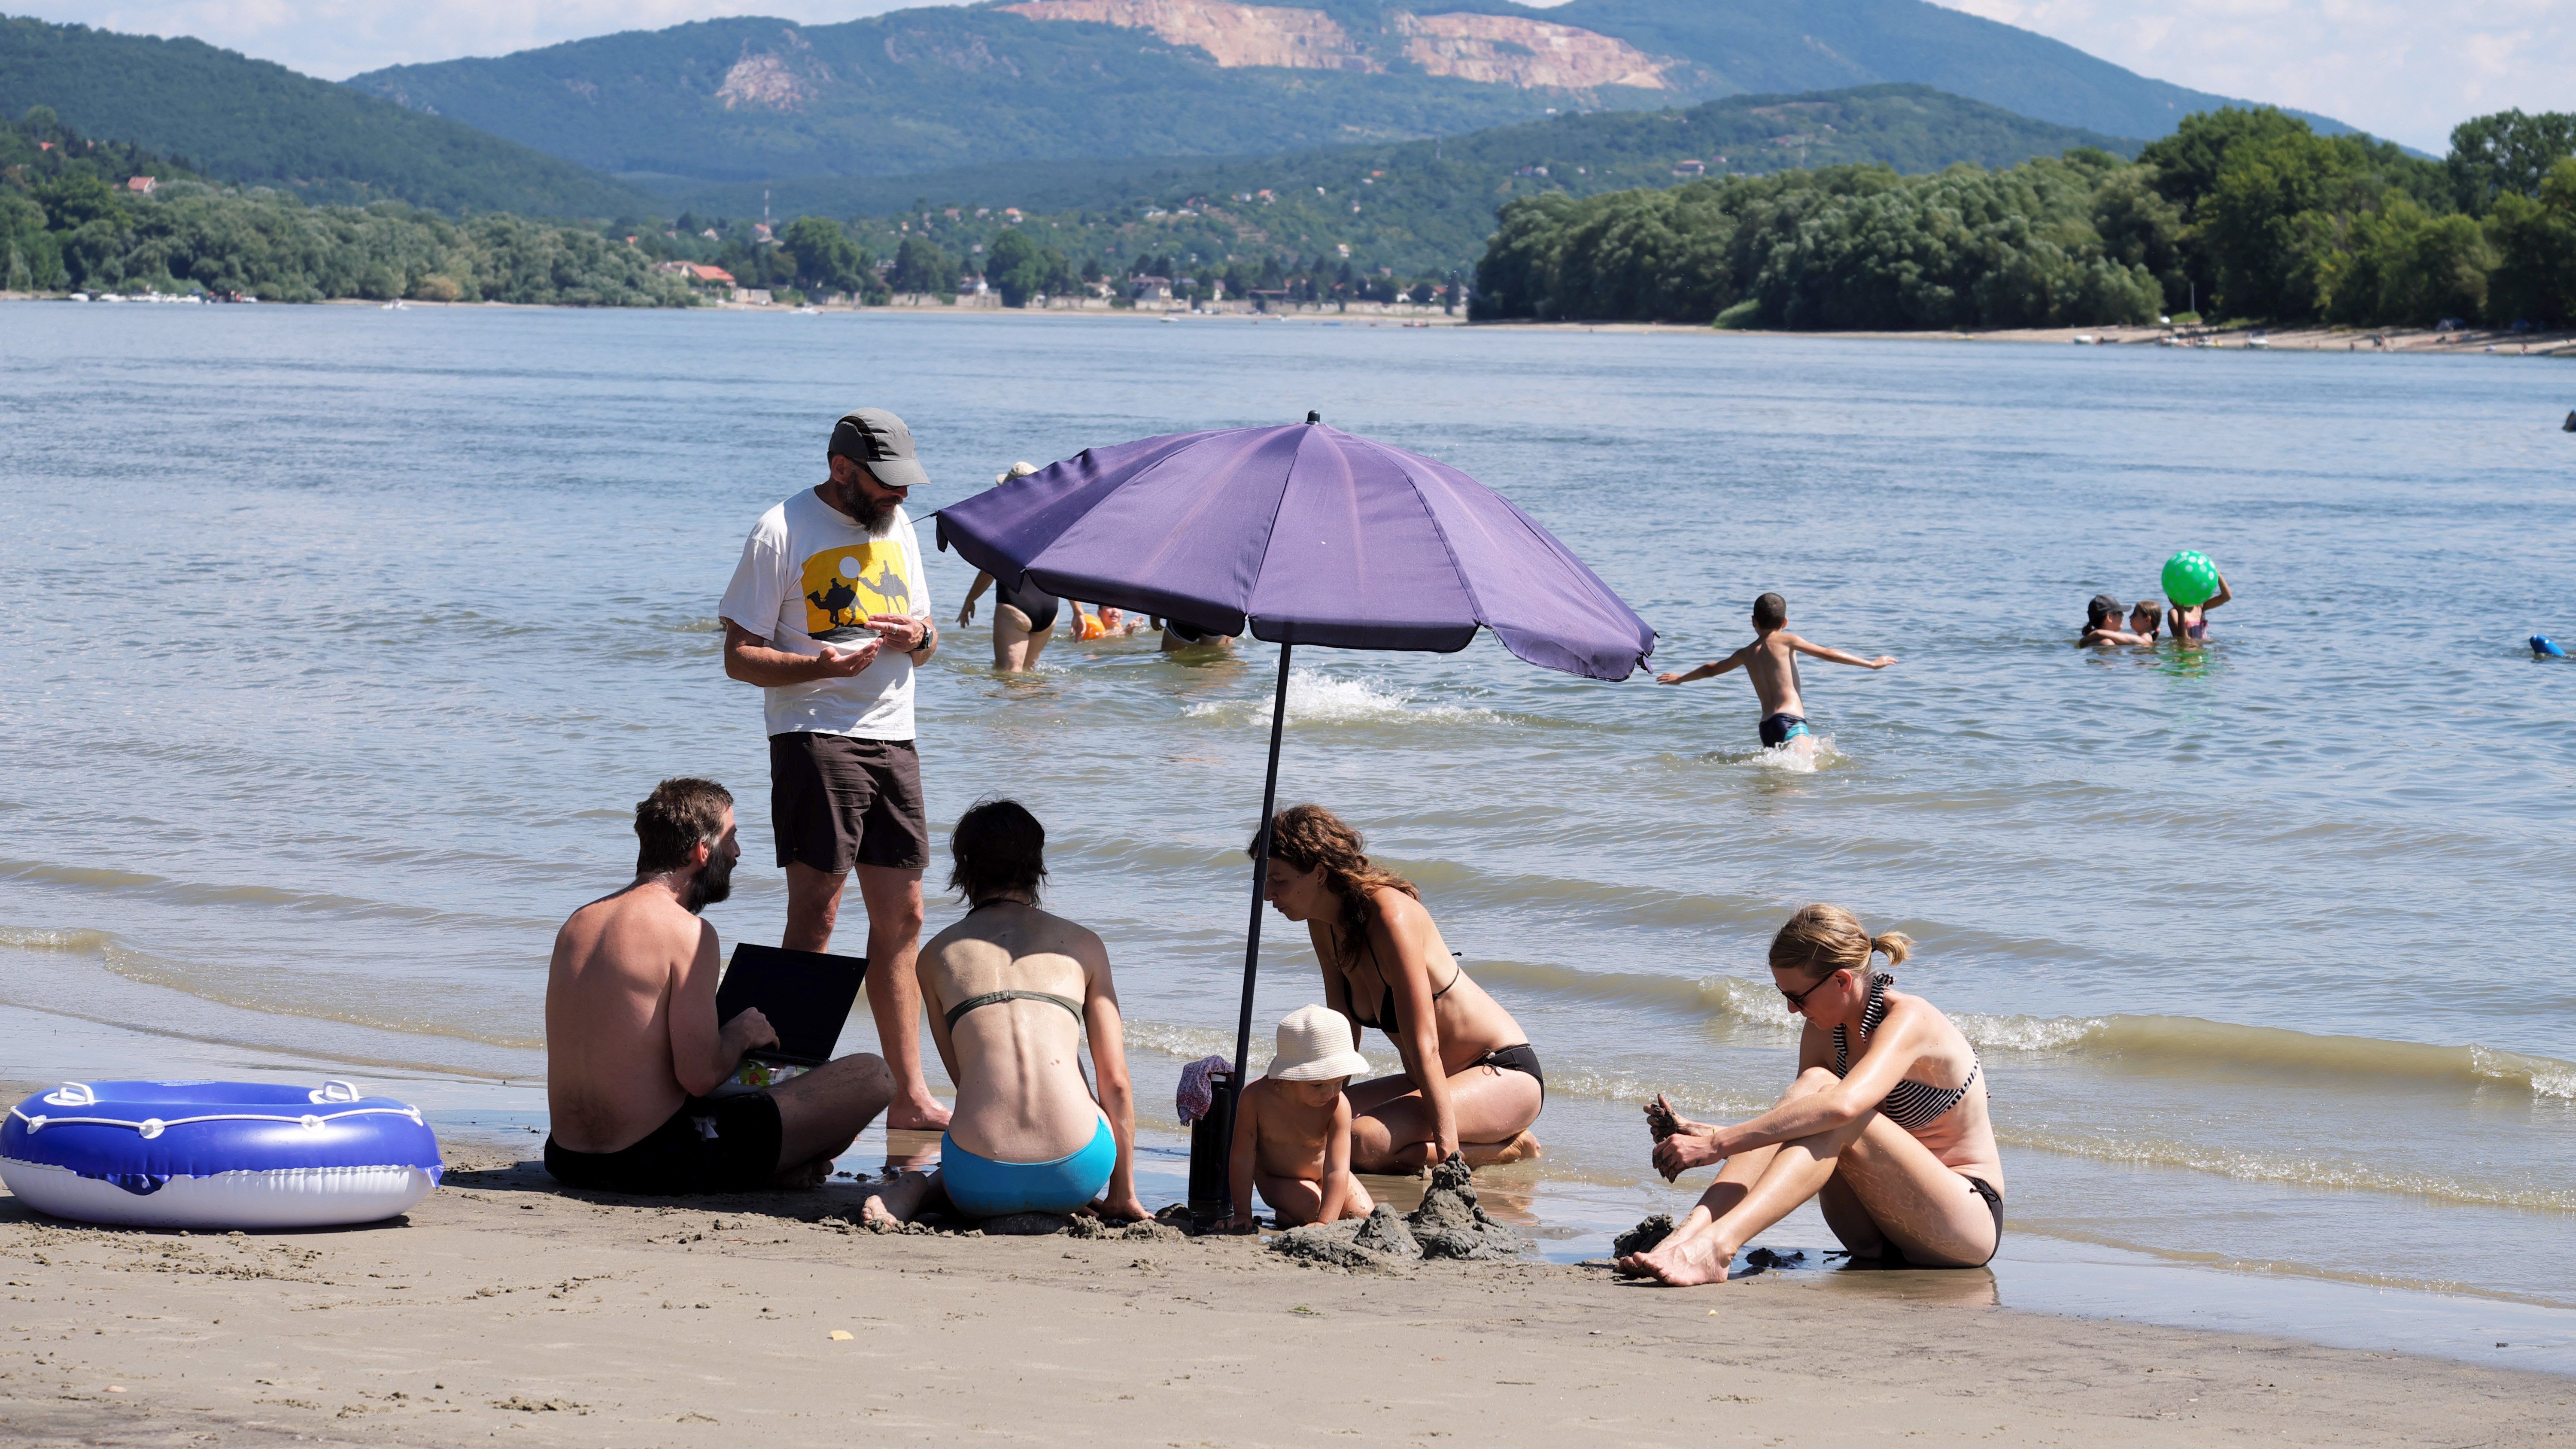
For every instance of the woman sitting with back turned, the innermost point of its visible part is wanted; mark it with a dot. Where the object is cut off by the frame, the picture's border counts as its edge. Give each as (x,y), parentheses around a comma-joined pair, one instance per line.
(1470,1083)
(1013,992)
(1901,1160)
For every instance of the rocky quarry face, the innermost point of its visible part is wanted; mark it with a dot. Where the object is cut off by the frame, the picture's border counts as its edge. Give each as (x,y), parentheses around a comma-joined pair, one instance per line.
(1495,49)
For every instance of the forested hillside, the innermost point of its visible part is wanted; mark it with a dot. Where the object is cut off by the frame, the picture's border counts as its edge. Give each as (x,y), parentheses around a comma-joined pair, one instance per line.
(2250,212)
(1421,206)
(252,122)
(69,220)
(949,86)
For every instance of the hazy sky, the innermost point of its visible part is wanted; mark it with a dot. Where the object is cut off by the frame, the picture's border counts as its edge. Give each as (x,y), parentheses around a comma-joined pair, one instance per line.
(2407,69)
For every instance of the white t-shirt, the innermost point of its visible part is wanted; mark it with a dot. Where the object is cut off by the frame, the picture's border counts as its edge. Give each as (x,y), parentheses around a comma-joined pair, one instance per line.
(809,577)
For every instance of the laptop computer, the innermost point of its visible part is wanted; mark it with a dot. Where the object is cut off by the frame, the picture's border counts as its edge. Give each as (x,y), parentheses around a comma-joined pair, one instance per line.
(806,995)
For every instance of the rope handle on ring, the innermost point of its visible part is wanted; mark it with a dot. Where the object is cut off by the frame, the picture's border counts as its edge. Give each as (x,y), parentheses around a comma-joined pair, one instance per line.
(78,1094)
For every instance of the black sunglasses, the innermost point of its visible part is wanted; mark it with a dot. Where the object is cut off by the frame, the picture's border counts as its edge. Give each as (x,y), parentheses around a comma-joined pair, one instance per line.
(1798,999)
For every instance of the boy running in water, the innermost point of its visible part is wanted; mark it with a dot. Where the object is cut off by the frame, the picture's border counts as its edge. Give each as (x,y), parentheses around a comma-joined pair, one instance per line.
(1772,662)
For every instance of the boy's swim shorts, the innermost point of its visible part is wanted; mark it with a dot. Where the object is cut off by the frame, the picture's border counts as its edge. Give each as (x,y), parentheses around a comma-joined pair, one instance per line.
(1779,729)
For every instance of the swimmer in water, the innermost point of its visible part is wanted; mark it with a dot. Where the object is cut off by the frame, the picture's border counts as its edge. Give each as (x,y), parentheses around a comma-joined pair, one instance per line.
(2144,616)
(2102,622)
(1771,661)
(1023,616)
(2191,626)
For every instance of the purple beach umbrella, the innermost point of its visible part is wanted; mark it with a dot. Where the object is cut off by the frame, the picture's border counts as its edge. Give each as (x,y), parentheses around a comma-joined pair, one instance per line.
(1302,535)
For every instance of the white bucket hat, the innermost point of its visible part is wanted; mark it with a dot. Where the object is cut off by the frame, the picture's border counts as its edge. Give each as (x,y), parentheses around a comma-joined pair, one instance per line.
(1315,1046)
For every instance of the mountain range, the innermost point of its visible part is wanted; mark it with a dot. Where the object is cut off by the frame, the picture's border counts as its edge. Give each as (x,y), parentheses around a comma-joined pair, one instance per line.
(938,87)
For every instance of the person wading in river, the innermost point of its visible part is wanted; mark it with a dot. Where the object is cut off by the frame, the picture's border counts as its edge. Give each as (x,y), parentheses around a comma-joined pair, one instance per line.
(829,613)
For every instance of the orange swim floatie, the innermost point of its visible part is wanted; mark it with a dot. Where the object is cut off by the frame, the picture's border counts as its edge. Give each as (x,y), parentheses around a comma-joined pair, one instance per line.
(1090,627)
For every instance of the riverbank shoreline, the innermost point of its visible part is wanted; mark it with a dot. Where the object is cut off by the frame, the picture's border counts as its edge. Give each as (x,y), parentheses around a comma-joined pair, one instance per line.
(501,1306)
(2379,341)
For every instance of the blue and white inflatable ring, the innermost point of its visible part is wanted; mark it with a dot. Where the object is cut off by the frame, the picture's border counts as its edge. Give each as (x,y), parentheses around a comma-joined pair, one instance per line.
(217,1154)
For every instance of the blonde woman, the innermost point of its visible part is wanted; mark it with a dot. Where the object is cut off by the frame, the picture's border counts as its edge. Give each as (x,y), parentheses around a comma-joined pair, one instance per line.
(1023,618)
(1471,1082)
(1885,1126)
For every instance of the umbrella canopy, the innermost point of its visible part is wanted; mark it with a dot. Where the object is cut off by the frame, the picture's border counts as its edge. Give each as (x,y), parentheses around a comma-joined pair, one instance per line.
(1305,535)
(1311,536)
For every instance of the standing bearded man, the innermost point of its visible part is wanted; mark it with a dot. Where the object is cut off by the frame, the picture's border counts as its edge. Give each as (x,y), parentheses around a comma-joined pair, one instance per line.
(829,613)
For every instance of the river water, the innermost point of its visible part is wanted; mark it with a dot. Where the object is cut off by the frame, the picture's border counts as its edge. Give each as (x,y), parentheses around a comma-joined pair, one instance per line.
(340,642)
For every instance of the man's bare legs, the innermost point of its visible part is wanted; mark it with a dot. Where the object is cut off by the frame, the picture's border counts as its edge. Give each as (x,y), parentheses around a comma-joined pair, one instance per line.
(822,1112)
(892,899)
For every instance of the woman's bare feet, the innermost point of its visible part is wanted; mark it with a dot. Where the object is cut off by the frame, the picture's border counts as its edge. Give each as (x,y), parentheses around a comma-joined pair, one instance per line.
(892,1203)
(1681,1261)
(1521,1148)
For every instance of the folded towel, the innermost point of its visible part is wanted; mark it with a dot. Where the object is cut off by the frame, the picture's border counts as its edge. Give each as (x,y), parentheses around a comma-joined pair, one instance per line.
(1197,1094)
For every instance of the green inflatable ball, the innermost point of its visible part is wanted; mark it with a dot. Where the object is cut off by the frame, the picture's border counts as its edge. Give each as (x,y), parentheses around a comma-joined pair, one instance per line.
(2190,579)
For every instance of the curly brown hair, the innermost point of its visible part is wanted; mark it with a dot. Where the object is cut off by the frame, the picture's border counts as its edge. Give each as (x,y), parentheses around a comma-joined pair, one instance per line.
(1310,837)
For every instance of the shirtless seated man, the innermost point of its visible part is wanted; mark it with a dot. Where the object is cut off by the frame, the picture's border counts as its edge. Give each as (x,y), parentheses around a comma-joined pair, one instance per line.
(1771,662)
(632,1043)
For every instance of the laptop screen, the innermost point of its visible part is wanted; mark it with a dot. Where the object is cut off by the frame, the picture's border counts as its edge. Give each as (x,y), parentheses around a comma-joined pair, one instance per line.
(806,995)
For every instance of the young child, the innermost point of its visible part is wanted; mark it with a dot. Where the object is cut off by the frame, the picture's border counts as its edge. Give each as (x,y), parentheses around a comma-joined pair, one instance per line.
(2191,626)
(1292,1129)
(1771,661)
(2144,616)
(2102,621)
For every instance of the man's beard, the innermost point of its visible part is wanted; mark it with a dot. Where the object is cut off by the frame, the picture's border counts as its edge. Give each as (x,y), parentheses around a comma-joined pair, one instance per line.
(712,885)
(875,517)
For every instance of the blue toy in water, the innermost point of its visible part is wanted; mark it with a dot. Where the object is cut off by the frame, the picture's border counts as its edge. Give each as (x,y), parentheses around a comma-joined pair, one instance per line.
(2543,647)
(217,1154)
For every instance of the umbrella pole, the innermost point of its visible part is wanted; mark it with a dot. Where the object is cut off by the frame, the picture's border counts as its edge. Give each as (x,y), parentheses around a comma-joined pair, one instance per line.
(1261,867)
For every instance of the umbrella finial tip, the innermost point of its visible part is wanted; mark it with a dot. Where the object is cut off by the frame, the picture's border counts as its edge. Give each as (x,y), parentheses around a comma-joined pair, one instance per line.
(1313,416)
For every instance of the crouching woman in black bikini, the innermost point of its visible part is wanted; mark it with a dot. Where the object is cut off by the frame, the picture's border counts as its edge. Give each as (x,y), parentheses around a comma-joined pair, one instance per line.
(1886,1125)
(1470,1083)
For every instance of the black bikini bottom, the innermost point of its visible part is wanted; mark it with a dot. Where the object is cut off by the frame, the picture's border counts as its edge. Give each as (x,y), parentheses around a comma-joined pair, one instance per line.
(1521,1059)
(1892,1256)
(1039,606)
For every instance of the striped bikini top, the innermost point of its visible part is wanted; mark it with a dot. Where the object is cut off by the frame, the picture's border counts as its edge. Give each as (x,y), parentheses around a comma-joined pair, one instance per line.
(1912,1105)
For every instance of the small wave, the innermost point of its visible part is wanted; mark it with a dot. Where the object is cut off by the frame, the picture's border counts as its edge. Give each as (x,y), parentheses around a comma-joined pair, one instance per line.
(32,938)
(1189,1043)
(2290,1168)
(2156,1041)
(225,987)
(1324,699)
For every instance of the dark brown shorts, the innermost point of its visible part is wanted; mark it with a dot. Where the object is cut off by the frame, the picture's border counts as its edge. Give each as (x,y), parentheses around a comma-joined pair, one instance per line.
(835,802)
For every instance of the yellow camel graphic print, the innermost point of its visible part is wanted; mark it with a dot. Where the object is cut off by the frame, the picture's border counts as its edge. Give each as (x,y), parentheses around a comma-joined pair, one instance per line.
(843,586)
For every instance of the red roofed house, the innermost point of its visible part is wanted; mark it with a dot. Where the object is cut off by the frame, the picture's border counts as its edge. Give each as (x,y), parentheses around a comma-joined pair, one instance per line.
(139,183)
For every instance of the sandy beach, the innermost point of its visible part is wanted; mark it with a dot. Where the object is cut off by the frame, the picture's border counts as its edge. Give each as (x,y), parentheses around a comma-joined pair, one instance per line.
(501,1309)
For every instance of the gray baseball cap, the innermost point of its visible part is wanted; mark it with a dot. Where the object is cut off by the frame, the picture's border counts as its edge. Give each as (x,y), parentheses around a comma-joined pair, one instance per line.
(878,439)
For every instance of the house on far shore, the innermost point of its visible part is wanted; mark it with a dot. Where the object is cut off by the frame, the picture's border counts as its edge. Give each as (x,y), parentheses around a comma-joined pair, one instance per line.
(698,274)
(1153,289)
(142,184)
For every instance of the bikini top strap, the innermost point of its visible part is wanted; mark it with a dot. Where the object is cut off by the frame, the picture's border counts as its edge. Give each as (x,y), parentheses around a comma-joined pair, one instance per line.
(993,998)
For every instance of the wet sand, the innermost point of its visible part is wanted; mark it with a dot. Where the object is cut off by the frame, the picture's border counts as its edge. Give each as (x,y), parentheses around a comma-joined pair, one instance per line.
(502,1310)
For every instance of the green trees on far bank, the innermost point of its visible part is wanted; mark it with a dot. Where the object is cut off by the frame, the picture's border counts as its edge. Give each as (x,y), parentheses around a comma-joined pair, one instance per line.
(2249,214)
(68,220)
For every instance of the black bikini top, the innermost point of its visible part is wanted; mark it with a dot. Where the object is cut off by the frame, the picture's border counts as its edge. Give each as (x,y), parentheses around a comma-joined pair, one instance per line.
(1386,1019)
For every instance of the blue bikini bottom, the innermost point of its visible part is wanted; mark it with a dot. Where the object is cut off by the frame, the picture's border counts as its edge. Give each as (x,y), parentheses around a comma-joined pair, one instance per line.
(983,1188)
